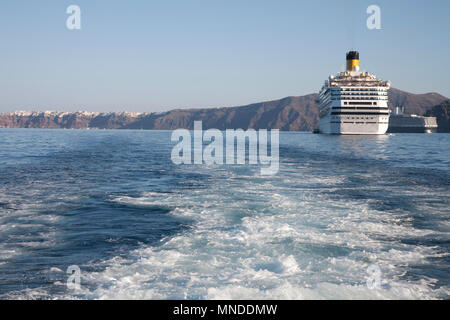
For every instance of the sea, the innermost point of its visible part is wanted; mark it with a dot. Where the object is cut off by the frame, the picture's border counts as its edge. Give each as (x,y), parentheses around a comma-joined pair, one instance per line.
(106,214)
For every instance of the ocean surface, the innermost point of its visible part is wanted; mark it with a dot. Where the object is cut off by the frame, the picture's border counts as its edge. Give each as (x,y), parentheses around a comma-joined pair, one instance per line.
(140,227)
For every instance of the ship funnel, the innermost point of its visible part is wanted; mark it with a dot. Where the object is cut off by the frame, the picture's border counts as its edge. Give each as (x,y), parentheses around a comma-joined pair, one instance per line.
(352,60)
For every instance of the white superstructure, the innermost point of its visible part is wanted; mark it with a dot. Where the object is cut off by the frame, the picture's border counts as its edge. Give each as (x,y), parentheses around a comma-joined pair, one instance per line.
(354,102)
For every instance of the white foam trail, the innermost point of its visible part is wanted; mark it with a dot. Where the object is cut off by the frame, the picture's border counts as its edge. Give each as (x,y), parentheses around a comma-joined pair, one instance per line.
(264,239)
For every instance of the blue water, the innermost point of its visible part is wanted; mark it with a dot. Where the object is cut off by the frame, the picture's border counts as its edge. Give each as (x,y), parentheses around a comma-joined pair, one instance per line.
(139,226)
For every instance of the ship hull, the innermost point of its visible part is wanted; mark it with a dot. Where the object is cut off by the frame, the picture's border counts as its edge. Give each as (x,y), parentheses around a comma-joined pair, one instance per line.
(412,124)
(411,130)
(328,126)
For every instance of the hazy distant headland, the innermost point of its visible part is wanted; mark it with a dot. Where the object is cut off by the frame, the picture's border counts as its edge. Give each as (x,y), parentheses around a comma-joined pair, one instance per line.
(296,113)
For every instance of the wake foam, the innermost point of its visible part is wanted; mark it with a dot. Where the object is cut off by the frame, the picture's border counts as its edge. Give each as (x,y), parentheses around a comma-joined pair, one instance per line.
(274,242)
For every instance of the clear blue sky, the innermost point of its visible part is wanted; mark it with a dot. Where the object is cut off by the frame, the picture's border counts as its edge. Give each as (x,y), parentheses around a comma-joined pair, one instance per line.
(155,55)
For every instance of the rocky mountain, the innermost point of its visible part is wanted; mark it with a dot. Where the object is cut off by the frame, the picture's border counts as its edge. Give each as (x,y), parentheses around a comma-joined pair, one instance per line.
(414,103)
(288,114)
(442,114)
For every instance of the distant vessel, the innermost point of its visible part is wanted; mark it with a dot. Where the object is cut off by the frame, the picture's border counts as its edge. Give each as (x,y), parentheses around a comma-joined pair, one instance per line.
(353,102)
(400,122)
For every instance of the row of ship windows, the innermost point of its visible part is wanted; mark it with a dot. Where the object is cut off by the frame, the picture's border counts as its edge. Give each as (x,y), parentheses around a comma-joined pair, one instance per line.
(359,94)
(359,98)
(365,89)
(360,122)
(356,103)
(356,109)
(358,118)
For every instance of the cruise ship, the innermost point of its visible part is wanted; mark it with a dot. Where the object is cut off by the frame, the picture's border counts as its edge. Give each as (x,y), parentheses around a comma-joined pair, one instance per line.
(353,102)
